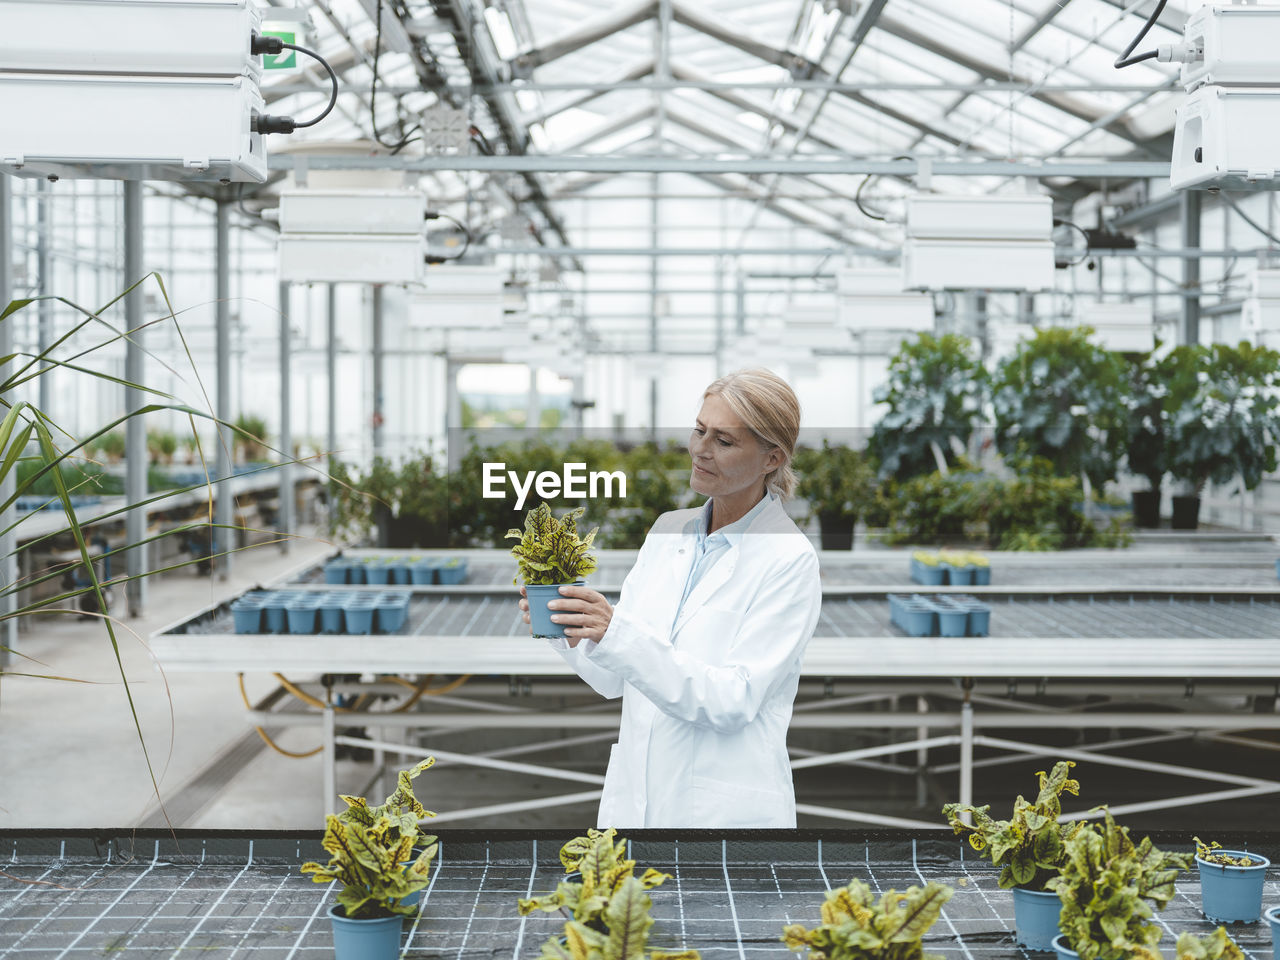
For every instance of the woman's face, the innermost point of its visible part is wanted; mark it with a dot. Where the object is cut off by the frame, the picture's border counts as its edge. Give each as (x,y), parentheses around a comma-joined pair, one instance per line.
(727,458)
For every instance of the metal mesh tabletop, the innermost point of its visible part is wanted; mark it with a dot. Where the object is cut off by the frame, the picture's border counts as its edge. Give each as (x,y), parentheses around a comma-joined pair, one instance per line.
(728,898)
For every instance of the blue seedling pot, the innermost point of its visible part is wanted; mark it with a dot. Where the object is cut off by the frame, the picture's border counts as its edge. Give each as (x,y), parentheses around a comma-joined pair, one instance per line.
(957,576)
(930,576)
(398,572)
(358,612)
(376,939)
(377,573)
(302,612)
(331,606)
(1272,917)
(1064,952)
(392,611)
(423,572)
(274,607)
(979,619)
(356,571)
(335,571)
(916,619)
(247,615)
(450,573)
(1035,917)
(981,576)
(952,621)
(539,616)
(1232,894)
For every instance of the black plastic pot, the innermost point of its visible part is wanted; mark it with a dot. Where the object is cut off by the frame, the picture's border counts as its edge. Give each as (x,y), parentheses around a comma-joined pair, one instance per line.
(836,531)
(1146,508)
(1186,513)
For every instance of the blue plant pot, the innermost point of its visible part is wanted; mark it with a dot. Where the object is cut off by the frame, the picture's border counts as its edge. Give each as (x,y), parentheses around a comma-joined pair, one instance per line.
(452,574)
(1064,952)
(391,614)
(331,614)
(336,571)
(1035,917)
(376,939)
(378,573)
(423,572)
(917,620)
(302,616)
(1272,917)
(539,616)
(356,572)
(247,616)
(928,576)
(981,576)
(952,621)
(274,611)
(359,617)
(979,620)
(958,576)
(398,573)
(1232,894)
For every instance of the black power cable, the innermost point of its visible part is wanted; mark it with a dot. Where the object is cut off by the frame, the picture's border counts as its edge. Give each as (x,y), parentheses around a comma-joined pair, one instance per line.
(1080,230)
(405,138)
(1125,59)
(266,123)
(466,233)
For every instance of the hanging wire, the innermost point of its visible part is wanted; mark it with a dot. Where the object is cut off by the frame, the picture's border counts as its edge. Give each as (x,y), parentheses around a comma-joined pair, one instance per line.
(405,138)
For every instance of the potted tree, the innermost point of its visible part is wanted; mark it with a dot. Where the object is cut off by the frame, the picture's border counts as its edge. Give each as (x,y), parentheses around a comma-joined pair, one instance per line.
(1148,450)
(1110,889)
(1030,848)
(857,925)
(935,394)
(838,484)
(373,856)
(252,439)
(1224,419)
(550,555)
(1061,396)
(1230,883)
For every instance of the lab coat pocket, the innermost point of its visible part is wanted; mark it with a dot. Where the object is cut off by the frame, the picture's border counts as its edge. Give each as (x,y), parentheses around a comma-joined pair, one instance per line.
(719,803)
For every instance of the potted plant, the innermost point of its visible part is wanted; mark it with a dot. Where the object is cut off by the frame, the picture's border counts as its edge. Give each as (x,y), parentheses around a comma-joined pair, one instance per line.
(1062,397)
(607,904)
(1148,450)
(935,393)
(112,445)
(550,555)
(252,437)
(373,857)
(838,484)
(1224,419)
(1230,883)
(857,925)
(161,445)
(1208,946)
(1029,848)
(1110,889)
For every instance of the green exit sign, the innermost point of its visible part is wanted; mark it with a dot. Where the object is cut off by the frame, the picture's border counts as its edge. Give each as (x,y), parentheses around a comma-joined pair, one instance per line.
(288,60)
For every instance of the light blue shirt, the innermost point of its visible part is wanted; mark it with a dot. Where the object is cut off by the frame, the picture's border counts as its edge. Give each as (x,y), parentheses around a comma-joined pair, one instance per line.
(708,548)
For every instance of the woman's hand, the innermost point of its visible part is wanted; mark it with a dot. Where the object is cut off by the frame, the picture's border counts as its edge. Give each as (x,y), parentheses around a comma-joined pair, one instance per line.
(582,612)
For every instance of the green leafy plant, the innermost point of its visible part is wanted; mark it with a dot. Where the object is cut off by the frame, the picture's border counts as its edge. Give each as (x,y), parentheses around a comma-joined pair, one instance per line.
(1062,397)
(161,445)
(1031,846)
(1210,946)
(1205,851)
(837,481)
(1148,453)
(935,392)
(252,438)
(373,851)
(550,550)
(1110,889)
(856,926)
(111,445)
(607,910)
(1223,413)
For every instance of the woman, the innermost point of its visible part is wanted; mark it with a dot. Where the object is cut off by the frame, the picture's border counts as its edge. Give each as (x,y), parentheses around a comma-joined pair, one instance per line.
(707,638)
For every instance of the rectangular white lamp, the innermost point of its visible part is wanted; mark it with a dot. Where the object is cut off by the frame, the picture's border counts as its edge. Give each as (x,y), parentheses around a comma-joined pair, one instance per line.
(353,211)
(460,297)
(351,258)
(1227,137)
(1122,327)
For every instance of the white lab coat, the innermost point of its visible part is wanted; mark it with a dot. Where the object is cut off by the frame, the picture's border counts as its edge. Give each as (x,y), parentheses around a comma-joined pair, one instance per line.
(706,699)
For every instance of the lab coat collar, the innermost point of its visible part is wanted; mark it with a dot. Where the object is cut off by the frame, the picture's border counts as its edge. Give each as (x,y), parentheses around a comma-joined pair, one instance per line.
(732,532)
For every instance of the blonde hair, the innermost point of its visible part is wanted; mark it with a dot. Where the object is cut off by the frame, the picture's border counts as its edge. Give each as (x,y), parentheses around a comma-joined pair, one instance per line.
(768,407)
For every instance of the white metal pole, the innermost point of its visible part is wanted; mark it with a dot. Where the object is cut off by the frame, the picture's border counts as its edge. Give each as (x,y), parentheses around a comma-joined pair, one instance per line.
(223,516)
(135,480)
(285,520)
(8,540)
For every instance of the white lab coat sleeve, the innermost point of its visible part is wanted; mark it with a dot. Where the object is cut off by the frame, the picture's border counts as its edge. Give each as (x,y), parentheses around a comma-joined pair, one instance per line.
(726,697)
(599,677)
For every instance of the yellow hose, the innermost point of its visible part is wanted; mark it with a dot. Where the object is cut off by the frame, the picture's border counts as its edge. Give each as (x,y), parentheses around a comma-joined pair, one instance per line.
(266,738)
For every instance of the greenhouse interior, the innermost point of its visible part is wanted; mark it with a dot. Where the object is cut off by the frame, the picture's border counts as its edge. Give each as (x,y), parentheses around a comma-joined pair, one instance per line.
(705,464)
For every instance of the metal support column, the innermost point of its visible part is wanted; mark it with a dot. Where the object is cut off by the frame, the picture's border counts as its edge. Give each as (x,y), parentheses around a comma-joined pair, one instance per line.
(224,540)
(1189,328)
(44,241)
(653,307)
(331,388)
(532,403)
(135,477)
(8,540)
(285,520)
(378,428)
(966,748)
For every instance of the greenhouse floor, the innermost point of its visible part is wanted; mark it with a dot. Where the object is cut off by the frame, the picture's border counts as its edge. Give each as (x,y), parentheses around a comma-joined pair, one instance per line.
(215,772)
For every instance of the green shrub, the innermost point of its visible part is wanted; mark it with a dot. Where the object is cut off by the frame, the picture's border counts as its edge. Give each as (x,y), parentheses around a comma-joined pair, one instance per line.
(82,480)
(837,481)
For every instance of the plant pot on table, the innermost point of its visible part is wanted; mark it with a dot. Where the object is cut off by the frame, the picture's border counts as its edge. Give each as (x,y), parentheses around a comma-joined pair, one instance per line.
(1146,508)
(1186,513)
(1272,917)
(835,530)
(1035,917)
(1230,894)
(539,594)
(1063,951)
(372,939)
